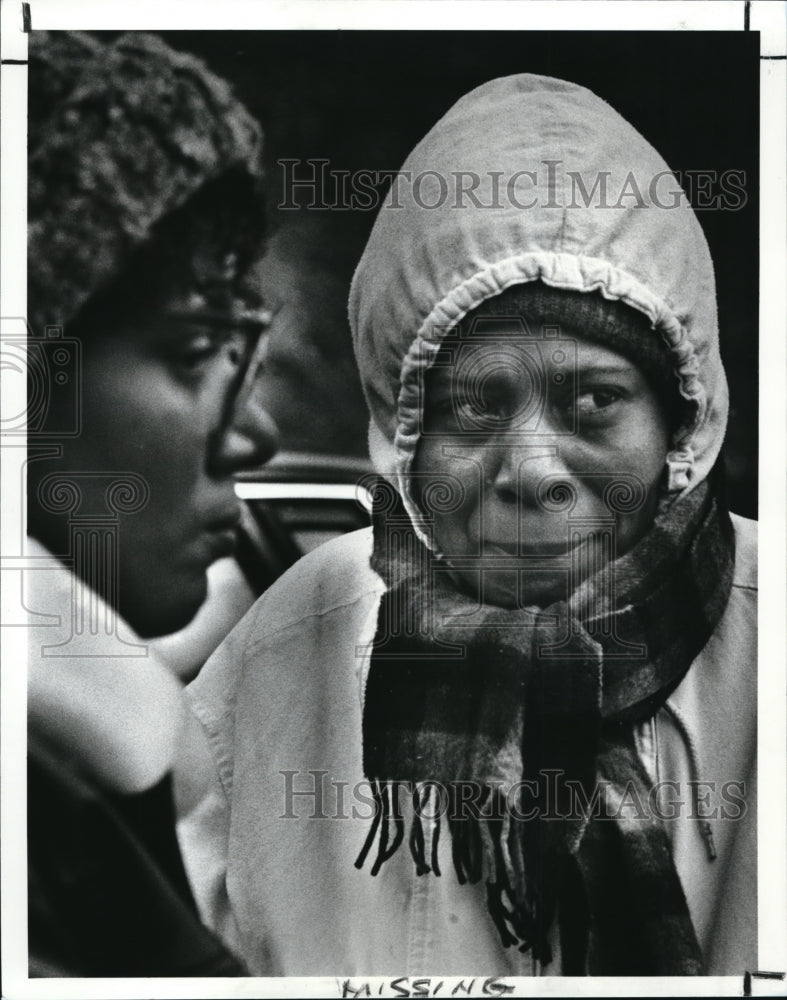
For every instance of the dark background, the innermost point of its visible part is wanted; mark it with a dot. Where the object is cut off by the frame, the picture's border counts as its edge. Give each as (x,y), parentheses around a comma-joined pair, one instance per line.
(363,99)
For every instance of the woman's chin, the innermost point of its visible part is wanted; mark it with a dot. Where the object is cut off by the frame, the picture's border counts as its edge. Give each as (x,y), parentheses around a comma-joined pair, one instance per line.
(533,588)
(168,610)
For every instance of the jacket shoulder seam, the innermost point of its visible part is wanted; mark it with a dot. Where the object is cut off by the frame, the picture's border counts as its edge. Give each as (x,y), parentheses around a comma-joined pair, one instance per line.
(257,640)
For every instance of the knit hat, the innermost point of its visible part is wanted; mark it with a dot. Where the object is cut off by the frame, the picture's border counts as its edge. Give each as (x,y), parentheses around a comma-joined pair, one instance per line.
(121,137)
(587,315)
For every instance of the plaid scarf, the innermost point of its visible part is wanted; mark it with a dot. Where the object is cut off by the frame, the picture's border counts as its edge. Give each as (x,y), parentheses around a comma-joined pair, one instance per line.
(516,716)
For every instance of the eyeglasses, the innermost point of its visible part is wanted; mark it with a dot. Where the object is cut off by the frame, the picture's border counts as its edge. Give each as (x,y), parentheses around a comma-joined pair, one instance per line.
(249,349)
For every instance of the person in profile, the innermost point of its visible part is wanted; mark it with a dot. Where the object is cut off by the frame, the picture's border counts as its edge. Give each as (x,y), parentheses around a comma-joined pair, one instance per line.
(511,728)
(144,216)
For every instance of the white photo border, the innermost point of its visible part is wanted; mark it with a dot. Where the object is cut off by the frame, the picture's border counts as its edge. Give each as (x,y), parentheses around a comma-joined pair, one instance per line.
(596,15)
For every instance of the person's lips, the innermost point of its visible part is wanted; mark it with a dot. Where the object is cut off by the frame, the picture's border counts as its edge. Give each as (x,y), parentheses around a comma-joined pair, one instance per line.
(219,537)
(220,544)
(543,549)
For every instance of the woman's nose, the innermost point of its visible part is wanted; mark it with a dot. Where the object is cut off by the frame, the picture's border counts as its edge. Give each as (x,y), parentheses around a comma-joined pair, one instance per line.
(250,439)
(523,470)
(249,435)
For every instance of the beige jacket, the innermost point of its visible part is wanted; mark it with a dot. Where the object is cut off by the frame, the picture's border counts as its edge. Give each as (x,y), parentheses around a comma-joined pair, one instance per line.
(274,873)
(282,696)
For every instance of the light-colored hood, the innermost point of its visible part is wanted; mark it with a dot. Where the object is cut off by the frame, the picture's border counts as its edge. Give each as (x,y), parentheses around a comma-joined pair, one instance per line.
(442,245)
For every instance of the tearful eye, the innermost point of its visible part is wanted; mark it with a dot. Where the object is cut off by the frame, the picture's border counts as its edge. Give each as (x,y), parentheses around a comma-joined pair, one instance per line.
(591,406)
(594,400)
(471,409)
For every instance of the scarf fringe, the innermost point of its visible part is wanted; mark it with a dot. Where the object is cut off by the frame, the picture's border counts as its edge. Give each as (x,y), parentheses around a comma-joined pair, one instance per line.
(486,845)
(490,717)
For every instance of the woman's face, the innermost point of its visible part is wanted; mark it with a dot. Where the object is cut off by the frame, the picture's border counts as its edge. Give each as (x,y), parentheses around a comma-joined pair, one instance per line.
(551,452)
(158,401)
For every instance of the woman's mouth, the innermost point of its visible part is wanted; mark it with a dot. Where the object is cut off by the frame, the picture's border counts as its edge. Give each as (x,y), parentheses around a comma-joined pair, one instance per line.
(211,545)
(220,544)
(524,550)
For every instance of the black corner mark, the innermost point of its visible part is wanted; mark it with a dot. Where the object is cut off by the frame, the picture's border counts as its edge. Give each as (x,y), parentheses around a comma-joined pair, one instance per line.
(748,976)
(26,21)
(746,15)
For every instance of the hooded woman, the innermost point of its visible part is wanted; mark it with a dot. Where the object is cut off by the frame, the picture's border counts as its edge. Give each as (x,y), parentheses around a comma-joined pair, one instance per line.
(511,730)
